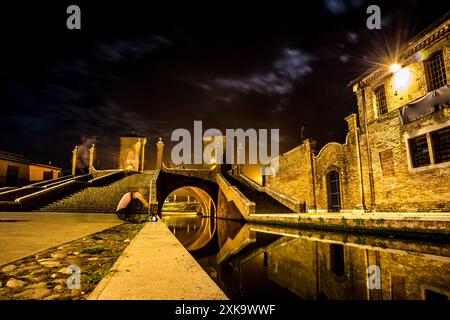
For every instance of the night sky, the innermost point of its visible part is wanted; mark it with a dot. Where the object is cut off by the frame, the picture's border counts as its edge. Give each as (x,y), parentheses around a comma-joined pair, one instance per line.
(154,66)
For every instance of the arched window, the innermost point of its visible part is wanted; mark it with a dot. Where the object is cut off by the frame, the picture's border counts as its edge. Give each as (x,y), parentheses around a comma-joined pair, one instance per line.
(334,191)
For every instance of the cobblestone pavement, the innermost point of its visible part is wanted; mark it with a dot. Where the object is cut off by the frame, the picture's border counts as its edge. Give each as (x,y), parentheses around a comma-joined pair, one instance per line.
(44,275)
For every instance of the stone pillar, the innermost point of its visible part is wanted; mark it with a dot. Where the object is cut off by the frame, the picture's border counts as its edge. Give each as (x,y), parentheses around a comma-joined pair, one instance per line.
(352,122)
(188,199)
(141,163)
(91,158)
(311,204)
(159,153)
(74,160)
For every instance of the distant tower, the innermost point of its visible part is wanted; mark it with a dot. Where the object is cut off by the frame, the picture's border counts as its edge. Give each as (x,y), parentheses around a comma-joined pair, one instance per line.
(74,160)
(159,153)
(132,149)
(91,158)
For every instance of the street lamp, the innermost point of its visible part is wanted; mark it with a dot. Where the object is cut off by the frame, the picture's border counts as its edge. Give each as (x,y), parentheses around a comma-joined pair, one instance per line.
(395,67)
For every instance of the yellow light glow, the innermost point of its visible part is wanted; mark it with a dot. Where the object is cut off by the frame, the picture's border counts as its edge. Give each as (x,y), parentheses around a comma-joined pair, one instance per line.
(395,67)
(420,56)
(402,79)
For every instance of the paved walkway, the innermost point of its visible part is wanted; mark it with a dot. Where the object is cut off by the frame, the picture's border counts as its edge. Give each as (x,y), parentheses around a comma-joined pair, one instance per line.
(155,266)
(25,233)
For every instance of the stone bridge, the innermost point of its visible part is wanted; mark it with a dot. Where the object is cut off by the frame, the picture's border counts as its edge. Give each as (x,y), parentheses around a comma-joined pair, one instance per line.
(219,194)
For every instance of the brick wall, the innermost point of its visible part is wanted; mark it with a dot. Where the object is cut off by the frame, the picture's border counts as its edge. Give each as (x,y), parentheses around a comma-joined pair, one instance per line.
(374,166)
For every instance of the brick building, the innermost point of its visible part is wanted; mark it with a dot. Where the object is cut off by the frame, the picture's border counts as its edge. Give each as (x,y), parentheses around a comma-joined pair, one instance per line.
(397,152)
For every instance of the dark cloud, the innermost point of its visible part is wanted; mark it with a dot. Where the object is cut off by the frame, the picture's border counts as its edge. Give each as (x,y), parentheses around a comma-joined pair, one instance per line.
(290,67)
(120,50)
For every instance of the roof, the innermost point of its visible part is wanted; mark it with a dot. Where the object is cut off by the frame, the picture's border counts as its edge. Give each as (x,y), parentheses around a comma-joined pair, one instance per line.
(410,42)
(15,157)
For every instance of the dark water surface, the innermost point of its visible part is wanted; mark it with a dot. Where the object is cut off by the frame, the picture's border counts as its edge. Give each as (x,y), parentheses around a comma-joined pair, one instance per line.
(250,261)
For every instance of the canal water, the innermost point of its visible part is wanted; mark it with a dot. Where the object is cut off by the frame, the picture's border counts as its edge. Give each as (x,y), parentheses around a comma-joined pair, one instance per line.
(250,261)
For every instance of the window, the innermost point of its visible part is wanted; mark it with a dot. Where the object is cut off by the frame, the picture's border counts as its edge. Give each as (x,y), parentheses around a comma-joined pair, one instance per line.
(380,95)
(48,175)
(387,163)
(12,176)
(435,71)
(334,193)
(419,151)
(441,145)
(337,259)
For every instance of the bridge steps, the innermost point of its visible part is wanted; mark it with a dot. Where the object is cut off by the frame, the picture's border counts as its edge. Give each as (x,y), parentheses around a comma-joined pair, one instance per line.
(264,202)
(102,199)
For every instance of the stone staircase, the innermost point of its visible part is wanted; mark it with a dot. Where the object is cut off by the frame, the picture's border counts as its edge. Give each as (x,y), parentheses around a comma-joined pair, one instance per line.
(264,202)
(102,199)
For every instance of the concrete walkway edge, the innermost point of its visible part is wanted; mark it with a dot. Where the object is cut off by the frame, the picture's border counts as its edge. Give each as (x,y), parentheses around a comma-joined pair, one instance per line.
(156,266)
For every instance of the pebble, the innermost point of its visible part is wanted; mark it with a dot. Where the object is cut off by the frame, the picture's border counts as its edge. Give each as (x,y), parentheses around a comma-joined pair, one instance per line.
(14,283)
(60,281)
(50,264)
(65,271)
(9,268)
(126,240)
(58,255)
(36,292)
(59,288)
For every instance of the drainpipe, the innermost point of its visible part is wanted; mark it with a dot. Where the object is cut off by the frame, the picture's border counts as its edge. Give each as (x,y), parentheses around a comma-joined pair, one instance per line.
(369,153)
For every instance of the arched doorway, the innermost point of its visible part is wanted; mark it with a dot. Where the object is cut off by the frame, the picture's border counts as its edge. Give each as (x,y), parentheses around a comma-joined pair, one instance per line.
(334,191)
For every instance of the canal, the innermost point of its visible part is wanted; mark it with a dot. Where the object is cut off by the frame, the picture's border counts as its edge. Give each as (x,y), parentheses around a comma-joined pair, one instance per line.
(250,261)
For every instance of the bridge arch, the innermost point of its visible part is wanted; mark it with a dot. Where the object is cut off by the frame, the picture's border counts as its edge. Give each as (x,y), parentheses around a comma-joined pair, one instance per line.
(200,188)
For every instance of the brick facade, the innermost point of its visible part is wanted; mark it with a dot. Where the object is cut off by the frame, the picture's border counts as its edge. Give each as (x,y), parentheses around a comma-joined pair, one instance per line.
(374,164)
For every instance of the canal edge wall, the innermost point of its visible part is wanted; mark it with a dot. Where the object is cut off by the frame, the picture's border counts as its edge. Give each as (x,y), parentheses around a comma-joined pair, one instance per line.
(409,226)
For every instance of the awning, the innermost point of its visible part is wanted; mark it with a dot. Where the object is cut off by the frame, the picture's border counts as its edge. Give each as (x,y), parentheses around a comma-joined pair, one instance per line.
(432,102)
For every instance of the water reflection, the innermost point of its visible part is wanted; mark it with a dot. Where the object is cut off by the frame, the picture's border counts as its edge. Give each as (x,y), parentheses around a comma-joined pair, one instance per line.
(255,261)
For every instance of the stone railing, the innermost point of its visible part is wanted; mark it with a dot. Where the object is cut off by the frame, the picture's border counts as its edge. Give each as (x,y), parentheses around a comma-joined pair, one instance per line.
(36,196)
(284,199)
(245,206)
(44,195)
(207,174)
(13,194)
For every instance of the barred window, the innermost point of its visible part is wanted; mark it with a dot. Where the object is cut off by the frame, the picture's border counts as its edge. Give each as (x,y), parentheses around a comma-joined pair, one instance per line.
(435,71)
(419,151)
(380,95)
(441,145)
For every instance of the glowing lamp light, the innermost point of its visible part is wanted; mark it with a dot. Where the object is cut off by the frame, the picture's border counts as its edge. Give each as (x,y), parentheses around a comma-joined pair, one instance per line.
(402,79)
(395,67)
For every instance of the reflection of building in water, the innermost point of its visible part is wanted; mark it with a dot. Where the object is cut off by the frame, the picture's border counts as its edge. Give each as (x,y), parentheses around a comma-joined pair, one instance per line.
(132,149)
(316,269)
(262,261)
